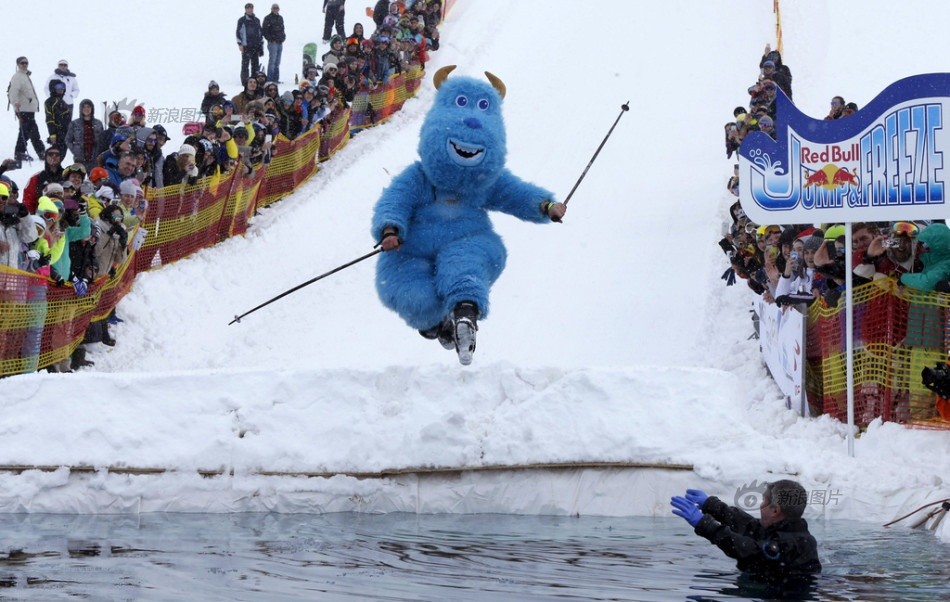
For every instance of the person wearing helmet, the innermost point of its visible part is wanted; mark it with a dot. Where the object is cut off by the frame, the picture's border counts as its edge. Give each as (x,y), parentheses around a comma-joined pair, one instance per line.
(68,79)
(58,115)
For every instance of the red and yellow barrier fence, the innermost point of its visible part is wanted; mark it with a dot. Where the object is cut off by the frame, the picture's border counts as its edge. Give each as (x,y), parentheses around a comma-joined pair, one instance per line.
(898,332)
(41,324)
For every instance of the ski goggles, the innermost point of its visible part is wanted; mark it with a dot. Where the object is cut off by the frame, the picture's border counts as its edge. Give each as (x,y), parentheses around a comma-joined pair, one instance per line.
(50,216)
(905,228)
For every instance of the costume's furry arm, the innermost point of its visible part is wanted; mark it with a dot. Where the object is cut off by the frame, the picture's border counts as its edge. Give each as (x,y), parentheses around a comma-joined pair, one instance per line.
(514,196)
(395,206)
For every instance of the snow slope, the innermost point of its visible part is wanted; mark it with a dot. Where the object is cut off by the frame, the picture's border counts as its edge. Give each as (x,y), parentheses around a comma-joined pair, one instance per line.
(612,338)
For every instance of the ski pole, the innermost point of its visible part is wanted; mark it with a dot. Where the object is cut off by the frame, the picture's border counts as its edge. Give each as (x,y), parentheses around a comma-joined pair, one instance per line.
(307,283)
(624,108)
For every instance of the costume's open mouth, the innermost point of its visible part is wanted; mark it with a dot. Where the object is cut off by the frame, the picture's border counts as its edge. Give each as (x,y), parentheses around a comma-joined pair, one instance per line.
(465,154)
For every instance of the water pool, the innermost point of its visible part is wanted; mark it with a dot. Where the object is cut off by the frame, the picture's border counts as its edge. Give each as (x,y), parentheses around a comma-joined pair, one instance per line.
(430,557)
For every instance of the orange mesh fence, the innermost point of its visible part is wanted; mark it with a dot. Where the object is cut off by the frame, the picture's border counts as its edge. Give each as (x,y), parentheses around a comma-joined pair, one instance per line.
(376,106)
(897,333)
(42,324)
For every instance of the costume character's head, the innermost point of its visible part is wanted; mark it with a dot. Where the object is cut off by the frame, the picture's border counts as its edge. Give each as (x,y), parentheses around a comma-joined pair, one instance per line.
(462,143)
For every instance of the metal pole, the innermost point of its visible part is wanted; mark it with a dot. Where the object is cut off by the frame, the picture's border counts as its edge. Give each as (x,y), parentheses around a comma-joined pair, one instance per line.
(307,283)
(624,108)
(849,334)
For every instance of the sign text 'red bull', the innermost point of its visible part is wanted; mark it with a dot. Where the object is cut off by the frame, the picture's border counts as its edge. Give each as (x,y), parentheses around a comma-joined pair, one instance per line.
(883,163)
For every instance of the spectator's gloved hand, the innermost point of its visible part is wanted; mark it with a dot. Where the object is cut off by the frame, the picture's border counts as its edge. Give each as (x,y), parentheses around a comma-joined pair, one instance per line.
(22,211)
(139,239)
(83,206)
(726,245)
(81,287)
(697,497)
(57,279)
(686,509)
(33,255)
(729,276)
(192,171)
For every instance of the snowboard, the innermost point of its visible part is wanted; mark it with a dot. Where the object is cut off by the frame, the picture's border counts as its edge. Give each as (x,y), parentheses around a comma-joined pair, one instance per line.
(309,57)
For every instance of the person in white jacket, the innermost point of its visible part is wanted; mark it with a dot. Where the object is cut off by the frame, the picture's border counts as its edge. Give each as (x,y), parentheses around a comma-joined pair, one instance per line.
(16,230)
(799,275)
(22,95)
(63,74)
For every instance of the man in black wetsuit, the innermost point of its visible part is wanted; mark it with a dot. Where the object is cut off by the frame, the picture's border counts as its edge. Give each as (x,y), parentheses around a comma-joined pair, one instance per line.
(777,548)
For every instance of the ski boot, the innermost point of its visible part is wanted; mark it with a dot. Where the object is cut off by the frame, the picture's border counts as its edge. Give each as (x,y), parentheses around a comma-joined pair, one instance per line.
(444,332)
(465,321)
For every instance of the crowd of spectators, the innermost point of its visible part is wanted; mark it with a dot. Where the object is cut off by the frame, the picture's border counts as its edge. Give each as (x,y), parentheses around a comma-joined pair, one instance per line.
(78,223)
(794,265)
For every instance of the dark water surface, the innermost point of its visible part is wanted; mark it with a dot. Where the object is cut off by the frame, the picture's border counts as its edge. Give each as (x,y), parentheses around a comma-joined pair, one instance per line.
(430,557)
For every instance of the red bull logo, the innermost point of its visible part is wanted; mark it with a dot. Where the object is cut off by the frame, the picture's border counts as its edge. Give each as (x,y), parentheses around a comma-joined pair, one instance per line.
(830,177)
(832,153)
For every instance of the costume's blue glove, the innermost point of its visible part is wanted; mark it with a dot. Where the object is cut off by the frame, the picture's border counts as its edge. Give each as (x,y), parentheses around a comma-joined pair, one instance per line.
(81,287)
(686,509)
(697,497)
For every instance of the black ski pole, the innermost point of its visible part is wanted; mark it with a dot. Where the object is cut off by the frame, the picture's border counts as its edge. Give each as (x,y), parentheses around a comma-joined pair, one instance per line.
(307,283)
(624,108)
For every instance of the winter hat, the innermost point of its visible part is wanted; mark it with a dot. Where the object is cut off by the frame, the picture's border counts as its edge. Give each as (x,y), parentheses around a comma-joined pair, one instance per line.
(187,149)
(213,84)
(105,193)
(53,189)
(64,63)
(4,191)
(128,187)
(161,131)
(768,64)
(118,139)
(834,232)
(813,243)
(40,224)
(97,173)
(766,121)
(45,204)
(68,184)
(139,110)
(330,65)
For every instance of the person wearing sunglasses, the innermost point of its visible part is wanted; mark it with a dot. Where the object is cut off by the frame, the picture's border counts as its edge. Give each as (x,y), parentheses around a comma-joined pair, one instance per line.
(22,95)
(52,172)
(837,108)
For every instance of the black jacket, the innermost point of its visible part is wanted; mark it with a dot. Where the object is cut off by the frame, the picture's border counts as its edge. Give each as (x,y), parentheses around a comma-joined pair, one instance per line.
(248,32)
(782,76)
(274,28)
(779,554)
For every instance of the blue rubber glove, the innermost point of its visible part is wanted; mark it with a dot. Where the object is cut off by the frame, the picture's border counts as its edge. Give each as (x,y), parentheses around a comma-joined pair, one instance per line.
(81,287)
(697,497)
(686,509)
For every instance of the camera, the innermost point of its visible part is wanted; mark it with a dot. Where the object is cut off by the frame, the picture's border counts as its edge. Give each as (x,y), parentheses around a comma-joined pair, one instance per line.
(937,379)
(891,243)
(11,215)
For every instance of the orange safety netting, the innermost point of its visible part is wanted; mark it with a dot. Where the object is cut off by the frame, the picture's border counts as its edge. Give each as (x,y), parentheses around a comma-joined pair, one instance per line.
(41,323)
(898,331)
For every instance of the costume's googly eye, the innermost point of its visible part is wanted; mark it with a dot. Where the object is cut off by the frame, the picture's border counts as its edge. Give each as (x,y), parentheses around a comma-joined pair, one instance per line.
(483,104)
(461,100)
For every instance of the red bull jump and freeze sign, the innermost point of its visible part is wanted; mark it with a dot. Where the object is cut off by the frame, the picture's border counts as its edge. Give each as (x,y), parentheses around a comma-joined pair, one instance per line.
(883,163)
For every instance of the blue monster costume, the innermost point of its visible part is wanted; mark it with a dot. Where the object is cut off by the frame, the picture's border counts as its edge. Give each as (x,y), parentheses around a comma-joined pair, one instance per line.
(448,254)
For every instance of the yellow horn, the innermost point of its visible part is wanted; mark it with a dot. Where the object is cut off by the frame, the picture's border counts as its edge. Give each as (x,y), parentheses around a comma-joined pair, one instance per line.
(441,74)
(496,83)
